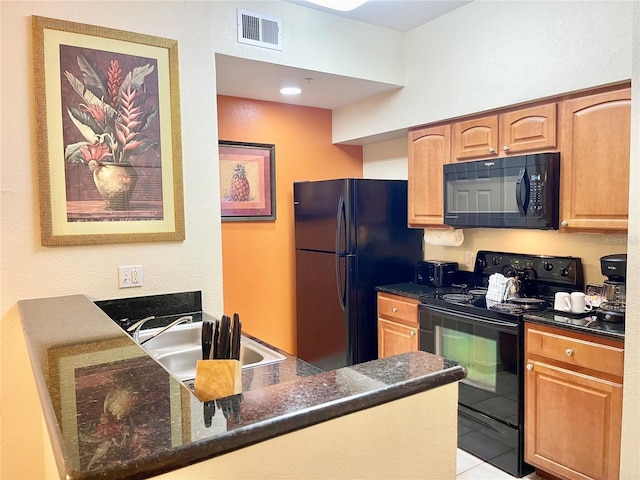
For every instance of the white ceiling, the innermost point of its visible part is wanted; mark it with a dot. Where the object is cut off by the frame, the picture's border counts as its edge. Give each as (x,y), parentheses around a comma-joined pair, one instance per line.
(400,15)
(240,77)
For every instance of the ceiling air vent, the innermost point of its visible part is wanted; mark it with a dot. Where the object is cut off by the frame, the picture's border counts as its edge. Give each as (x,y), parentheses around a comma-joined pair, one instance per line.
(259,30)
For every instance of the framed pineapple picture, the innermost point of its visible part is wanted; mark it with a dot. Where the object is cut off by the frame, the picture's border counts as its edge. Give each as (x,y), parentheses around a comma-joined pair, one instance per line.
(247,181)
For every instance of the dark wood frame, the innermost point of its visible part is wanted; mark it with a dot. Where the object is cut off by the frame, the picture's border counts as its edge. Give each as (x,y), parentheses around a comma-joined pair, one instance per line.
(259,160)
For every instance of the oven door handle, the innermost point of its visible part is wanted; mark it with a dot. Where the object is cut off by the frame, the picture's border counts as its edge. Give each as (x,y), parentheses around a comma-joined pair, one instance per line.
(473,318)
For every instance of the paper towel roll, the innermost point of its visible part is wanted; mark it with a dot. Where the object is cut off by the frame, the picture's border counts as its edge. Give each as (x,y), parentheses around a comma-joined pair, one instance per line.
(445,238)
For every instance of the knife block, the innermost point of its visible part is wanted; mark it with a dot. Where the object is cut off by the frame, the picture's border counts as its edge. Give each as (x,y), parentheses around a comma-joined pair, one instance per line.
(217,379)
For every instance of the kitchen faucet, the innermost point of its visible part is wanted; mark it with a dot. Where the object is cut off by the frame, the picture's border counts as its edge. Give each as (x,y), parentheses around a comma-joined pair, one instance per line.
(135,328)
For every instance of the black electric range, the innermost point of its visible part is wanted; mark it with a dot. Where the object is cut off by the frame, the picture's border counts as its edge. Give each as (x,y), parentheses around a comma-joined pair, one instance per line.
(459,323)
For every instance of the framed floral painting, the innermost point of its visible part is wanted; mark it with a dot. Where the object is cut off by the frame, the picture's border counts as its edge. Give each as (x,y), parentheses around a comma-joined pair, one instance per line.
(109,147)
(247,181)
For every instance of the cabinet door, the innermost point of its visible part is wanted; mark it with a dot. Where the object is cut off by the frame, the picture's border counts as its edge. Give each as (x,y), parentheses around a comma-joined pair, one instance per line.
(528,129)
(595,162)
(429,150)
(572,423)
(394,338)
(476,138)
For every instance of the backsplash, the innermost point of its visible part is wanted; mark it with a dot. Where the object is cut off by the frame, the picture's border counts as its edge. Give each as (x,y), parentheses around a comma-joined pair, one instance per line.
(588,247)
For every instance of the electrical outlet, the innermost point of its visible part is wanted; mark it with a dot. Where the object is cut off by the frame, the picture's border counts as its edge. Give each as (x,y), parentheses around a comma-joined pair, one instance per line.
(469,260)
(130,276)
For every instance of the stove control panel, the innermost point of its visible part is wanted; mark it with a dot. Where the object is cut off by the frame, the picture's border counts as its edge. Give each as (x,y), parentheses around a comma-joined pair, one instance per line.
(566,271)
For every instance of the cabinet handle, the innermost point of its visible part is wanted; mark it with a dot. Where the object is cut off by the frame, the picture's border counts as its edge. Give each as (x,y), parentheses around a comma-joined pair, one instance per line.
(569,351)
(492,150)
(394,309)
(412,333)
(564,223)
(505,148)
(529,366)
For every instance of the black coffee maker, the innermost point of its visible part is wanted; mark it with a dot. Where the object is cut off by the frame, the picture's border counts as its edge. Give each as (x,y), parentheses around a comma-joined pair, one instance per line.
(614,267)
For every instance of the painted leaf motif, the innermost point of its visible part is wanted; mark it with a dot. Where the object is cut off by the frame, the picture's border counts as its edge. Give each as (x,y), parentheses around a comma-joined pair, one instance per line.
(93,79)
(73,153)
(136,77)
(145,144)
(150,117)
(85,124)
(87,95)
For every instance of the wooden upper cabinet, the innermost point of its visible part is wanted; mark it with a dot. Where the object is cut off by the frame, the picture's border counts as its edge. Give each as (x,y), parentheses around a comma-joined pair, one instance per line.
(476,138)
(513,132)
(594,165)
(529,129)
(429,150)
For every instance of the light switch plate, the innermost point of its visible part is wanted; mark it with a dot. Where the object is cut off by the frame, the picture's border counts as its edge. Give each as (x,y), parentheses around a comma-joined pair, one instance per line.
(130,276)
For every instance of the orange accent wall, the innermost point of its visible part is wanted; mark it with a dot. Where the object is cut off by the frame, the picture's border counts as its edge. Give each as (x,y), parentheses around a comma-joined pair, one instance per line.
(258,257)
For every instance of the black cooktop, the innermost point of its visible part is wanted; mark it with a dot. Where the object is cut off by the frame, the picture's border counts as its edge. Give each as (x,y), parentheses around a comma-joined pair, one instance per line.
(540,278)
(473,301)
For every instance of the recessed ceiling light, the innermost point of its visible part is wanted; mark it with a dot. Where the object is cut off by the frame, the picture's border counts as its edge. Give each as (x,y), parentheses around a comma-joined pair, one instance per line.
(290,91)
(342,5)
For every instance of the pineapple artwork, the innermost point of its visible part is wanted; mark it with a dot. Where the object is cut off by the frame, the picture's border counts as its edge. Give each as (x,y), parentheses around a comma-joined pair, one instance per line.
(240,189)
(241,180)
(247,182)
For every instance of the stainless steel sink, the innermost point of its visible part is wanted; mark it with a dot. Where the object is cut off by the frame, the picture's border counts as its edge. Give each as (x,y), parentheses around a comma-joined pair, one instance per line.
(178,350)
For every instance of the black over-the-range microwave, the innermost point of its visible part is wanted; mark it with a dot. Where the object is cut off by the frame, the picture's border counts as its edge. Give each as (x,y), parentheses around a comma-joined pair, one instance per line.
(511,192)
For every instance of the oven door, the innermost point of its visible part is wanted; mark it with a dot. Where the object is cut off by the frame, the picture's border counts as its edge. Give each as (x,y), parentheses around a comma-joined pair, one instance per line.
(489,349)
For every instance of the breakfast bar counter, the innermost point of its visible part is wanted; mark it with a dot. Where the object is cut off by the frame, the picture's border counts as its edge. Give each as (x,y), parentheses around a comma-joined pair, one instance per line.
(112,411)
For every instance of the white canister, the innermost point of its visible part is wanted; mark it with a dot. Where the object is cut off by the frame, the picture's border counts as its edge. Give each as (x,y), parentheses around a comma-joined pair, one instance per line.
(579,303)
(562,302)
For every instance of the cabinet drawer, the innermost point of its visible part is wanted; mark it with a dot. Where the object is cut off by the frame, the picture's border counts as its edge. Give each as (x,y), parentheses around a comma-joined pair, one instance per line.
(394,307)
(576,352)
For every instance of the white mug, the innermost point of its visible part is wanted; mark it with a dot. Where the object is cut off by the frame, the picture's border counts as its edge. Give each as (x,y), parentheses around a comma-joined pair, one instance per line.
(579,303)
(562,302)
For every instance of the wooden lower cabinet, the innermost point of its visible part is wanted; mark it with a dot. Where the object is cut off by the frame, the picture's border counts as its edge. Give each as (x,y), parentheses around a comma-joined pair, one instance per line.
(573,403)
(395,338)
(397,325)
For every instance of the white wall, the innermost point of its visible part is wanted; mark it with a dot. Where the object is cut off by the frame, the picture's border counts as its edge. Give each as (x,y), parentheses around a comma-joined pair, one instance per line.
(387,159)
(30,270)
(316,41)
(630,463)
(489,54)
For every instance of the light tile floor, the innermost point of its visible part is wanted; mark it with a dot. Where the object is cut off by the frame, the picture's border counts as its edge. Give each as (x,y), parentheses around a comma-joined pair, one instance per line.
(472,468)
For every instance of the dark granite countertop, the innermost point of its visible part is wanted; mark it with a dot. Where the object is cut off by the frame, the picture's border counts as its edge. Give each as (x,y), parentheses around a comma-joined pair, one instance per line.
(411,290)
(585,324)
(114,412)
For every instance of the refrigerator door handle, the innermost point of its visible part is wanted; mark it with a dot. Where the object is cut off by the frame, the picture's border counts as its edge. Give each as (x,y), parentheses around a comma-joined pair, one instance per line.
(342,293)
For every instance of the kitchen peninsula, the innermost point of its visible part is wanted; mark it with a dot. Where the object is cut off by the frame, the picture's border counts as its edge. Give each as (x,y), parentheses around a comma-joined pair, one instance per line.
(113,412)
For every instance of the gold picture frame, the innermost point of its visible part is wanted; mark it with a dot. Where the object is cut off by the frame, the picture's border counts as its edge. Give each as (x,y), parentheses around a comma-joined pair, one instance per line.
(106,390)
(109,147)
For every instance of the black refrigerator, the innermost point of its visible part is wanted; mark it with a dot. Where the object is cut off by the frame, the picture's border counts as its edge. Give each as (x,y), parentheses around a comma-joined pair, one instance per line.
(351,235)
